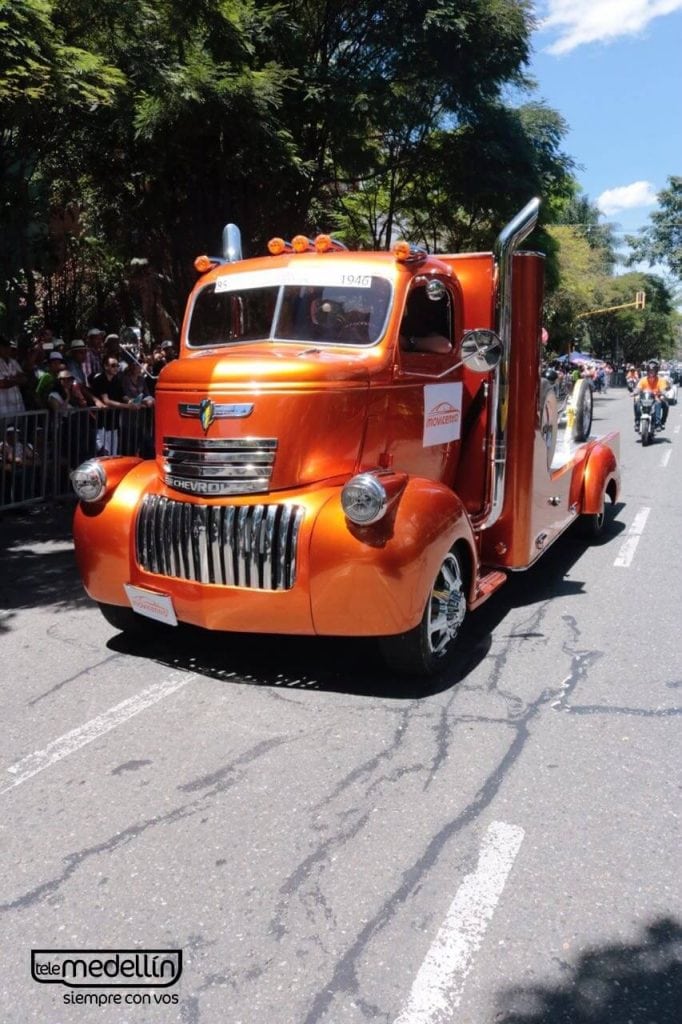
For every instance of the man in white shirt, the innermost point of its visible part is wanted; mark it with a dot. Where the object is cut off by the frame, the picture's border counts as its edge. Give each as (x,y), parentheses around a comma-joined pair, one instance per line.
(11,377)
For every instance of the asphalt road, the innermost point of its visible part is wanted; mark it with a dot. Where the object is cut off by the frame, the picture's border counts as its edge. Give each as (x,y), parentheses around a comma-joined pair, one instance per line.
(328,845)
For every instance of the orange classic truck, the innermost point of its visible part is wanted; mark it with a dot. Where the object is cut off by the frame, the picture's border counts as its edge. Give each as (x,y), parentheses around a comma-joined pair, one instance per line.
(350,444)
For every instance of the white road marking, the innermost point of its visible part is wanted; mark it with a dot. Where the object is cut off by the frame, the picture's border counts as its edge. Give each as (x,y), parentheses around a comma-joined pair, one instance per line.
(666,457)
(676,430)
(629,546)
(437,989)
(92,730)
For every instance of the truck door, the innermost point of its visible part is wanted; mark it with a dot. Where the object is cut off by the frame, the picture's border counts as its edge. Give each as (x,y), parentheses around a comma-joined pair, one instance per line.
(425,408)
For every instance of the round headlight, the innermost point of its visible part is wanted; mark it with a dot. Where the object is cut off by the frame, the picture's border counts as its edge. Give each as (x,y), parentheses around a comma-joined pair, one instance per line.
(89,480)
(364,499)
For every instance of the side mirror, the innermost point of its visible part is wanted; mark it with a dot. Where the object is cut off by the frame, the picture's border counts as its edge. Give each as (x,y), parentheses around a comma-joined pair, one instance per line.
(481,350)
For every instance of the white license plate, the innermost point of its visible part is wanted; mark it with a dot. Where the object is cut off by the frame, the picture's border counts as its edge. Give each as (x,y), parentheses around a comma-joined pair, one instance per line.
(154,606)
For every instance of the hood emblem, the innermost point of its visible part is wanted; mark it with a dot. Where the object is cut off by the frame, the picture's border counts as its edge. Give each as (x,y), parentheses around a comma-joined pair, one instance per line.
(206,411)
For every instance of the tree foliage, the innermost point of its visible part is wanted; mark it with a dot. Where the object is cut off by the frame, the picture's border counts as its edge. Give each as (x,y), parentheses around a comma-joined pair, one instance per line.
(633,334)
(661,242)
(134,129)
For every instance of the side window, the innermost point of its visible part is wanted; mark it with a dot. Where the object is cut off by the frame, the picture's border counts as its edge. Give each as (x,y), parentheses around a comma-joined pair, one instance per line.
(428,321)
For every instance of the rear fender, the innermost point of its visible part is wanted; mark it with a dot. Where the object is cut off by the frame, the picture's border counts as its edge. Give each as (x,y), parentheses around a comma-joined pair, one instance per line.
(602,475)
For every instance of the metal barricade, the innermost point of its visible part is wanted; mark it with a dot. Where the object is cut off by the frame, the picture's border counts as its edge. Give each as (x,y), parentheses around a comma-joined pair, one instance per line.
(24,444)
(39,449)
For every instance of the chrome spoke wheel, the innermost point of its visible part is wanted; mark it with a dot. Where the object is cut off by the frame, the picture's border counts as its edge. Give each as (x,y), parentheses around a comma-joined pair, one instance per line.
(446,608)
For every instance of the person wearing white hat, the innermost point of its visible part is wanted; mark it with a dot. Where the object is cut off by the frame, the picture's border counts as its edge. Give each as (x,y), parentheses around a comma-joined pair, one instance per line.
(76,363)
(11,377)
(93,358)
(48,379)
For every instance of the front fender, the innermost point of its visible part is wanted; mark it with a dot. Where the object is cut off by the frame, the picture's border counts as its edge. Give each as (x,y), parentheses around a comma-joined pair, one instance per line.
(103,532)
(375,581)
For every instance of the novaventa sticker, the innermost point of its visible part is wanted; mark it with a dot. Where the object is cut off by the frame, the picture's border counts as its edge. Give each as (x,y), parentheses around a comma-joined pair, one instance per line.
(107,968)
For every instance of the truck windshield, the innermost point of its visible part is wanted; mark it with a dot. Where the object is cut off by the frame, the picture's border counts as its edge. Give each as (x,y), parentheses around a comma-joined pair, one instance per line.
(332,314)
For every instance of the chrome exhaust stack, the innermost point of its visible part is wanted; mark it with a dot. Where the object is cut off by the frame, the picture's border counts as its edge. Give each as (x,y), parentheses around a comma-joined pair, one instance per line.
(507,242)
(232,243)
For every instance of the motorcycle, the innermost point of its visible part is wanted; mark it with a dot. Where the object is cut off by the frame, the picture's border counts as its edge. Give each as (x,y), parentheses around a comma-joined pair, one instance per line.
(648,417)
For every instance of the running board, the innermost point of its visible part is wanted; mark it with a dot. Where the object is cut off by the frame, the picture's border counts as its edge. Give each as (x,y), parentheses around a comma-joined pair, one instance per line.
(487,585)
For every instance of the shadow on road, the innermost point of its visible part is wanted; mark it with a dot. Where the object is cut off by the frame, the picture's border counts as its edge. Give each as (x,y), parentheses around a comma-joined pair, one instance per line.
(38,565)
(353,666)
(624,983)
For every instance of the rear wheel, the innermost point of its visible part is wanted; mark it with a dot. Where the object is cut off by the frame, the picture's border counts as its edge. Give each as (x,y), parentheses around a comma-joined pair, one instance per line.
(427,648)
(593,524)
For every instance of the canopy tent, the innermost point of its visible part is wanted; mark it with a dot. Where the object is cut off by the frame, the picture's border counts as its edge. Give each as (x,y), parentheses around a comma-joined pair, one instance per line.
(581,357)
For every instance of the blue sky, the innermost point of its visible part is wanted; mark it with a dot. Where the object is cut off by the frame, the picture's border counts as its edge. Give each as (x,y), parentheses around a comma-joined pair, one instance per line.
(613,69)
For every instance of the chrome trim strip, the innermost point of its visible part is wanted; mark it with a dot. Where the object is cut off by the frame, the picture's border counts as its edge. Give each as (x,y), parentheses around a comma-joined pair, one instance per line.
(190,410)
(209,459)
(268,535)
(228,544)
(215,549)
(160,538)
(217,488)
(186,536)
(151,546)
(282,543)
(201,527)
(298,519)
(246,470)
(211,444)
(241,546)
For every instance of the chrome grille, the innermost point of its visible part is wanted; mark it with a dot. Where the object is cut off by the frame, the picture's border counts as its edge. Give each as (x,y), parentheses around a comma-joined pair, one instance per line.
(236,546)
(218,466)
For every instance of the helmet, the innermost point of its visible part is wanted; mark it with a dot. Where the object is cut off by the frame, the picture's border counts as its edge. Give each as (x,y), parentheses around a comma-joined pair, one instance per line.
(652,366)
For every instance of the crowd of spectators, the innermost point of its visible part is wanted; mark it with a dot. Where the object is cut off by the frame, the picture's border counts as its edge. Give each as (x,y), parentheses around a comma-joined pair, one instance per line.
(39,371)
(106,382)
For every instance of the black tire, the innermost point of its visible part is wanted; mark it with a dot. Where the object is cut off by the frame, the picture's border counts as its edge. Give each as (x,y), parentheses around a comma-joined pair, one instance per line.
(582,402)
(593,524)
(645,431)
(427,649)
(125,619)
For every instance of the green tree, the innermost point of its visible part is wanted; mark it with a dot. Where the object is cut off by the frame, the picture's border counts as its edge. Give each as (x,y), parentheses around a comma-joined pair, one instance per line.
(581,280)
(631,334)
(661,242)
(44,79)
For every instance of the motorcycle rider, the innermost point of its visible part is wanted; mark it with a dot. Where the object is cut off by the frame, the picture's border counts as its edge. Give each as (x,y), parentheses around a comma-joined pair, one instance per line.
(631,378)
(652,382)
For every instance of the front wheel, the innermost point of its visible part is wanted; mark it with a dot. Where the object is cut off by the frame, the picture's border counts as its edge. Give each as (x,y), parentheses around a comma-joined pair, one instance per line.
(427,648)
(645,430)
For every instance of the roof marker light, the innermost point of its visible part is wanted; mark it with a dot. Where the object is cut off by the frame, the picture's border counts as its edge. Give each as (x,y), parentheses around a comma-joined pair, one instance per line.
(301,244)
(325,243)
(203,264)
(406,253)
(276,246)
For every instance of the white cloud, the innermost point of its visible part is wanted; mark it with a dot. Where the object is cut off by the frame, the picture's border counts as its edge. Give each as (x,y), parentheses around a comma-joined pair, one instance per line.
(627,197)
(590,21)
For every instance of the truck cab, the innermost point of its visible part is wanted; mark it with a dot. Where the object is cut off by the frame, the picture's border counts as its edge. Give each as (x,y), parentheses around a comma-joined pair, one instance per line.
(350,444)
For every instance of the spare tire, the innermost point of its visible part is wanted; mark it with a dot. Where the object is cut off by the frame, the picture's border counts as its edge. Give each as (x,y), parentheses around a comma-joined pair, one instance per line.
(549,418)
(581,402)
